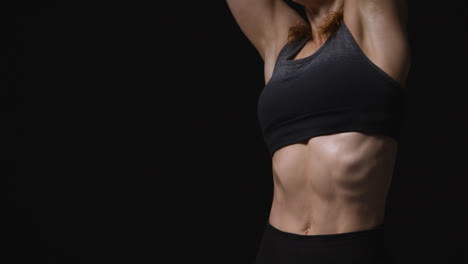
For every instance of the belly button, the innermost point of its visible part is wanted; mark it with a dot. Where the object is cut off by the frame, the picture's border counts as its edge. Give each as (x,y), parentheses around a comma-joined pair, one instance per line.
(307,230)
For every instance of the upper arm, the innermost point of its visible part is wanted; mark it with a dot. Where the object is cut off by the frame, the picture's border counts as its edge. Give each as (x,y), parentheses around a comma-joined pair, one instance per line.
(254,17)
(263,22)
(379,21)
(381,26)
(380,13)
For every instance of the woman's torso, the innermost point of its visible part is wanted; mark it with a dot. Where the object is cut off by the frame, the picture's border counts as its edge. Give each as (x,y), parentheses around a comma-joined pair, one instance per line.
(338,182)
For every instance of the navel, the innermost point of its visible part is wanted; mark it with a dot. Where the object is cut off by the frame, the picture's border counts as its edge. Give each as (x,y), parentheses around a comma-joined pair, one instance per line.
(307,229)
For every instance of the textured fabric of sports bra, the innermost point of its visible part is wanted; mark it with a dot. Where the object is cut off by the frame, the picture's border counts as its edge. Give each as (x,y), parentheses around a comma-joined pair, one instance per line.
(336,89)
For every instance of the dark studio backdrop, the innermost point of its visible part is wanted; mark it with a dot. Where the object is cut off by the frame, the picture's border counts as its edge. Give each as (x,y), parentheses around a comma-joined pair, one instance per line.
(136,136)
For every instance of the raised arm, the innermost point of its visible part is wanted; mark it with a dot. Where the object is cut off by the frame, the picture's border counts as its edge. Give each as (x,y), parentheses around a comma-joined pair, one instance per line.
(264,22)
(255,18)
(381,25)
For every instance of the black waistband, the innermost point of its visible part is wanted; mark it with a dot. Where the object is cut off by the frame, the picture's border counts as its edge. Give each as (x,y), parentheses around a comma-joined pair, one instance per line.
(364,247)
(376,233)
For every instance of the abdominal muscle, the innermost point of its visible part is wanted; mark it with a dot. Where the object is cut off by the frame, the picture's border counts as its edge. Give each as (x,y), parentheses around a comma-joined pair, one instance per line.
(332,184)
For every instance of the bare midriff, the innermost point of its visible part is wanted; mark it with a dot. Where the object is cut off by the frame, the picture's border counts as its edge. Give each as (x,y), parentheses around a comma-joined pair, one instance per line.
(332,184)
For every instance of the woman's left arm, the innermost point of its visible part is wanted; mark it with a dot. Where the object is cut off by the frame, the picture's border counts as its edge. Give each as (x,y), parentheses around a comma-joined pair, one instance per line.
(381,28)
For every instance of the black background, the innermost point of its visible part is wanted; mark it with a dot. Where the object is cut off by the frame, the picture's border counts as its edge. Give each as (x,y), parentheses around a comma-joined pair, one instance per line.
(136,136)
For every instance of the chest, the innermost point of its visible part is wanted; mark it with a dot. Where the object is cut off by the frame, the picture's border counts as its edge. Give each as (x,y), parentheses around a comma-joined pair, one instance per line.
(389,57)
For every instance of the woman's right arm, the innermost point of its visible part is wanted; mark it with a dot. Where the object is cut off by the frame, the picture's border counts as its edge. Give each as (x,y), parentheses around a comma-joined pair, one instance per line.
(261,21)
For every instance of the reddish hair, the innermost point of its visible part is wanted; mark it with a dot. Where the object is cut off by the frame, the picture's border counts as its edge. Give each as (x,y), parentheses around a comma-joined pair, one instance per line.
(331,24)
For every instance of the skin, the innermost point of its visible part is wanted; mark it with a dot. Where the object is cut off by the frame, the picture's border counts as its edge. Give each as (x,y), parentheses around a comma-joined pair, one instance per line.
(334,183)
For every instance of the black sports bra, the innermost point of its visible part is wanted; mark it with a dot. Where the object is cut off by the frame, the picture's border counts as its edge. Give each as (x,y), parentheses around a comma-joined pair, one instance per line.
(336,89)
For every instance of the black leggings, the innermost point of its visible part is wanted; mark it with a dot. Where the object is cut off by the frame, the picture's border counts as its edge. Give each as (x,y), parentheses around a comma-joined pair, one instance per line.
(363,247)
